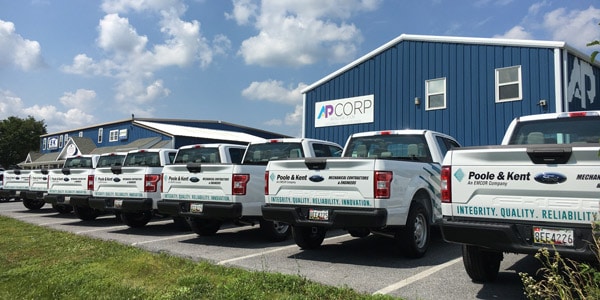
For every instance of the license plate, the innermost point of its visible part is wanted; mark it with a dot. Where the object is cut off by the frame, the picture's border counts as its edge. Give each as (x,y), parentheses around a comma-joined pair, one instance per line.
(196,207)
(553,236)
(118,204)
(318,214)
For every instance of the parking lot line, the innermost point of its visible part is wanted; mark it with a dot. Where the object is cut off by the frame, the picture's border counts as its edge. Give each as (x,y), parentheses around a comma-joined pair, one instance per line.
(171,237)
(272,250)
(404,282)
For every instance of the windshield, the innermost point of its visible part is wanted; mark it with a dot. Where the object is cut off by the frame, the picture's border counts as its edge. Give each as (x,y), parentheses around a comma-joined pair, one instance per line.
(557,131)
(79,162)
(402,147)
(197,155)
(110,160)
(260,154)
(147,159)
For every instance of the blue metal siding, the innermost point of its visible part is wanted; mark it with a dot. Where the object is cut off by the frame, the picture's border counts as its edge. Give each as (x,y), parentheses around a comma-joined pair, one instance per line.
(397,75)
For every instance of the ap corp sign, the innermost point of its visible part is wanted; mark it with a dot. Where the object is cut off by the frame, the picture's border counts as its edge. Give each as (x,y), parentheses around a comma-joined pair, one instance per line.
(355,110)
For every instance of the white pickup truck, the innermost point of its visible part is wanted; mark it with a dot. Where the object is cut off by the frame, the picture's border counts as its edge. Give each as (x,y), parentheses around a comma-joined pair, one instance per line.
(235,192)
(540,188)
(70,182)
(132,190)
(182,180)
(81,205)
(38,187)
(15,184)
(386,182)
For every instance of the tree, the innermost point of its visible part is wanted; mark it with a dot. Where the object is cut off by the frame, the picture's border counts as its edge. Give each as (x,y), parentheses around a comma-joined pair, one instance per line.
(594,43)
(18,137)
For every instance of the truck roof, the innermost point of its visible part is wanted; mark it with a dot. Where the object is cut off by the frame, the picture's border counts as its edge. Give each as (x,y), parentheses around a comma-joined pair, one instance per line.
(591,113)
(293,140)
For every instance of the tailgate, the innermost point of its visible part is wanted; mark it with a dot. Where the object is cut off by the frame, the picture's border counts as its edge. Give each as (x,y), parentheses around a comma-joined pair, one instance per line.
(38,181)
(205,182)
(338,182)
(128,183)
(14,181)
(74,183)
(507,184)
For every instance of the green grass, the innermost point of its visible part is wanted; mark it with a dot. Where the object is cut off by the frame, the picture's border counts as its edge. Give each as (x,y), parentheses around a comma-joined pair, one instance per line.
(41,263)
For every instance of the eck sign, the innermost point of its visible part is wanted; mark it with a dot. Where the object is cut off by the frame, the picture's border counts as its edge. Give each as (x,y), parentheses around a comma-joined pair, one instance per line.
(355,110)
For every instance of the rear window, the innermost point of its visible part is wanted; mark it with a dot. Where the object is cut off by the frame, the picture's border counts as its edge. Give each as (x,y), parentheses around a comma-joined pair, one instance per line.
(582,130)
(260,154)
(400,147)
(197,155)
(79,163)
(110,160)
(147,159)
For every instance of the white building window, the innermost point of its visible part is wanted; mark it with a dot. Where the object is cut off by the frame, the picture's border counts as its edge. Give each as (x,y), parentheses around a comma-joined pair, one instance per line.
(100,132)
(44,141)
(113,136)
(60,141)
(508,84)
(435,90)
(81,134)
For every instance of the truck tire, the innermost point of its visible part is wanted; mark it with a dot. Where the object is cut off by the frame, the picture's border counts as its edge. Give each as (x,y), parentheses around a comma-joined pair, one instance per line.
(33,204)
(136,219)
(308,237)
(482,265)
(204,226)
(415,236)
(85,213)
(62,209)
(275,231)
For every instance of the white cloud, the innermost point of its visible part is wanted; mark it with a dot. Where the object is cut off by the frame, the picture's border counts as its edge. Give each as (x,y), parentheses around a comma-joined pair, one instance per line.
(133,60)
(294,118)
(517,32)
(10,104)
(15,50)
(82,99)
(296,33)
(576,27)
(274,91)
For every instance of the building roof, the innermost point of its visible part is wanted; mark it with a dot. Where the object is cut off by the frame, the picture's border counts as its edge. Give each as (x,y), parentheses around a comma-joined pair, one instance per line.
(215,134)
(444,39)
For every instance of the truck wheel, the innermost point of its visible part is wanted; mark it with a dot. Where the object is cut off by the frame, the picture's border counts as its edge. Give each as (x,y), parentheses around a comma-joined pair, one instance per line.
(62,209)
(136,219)
(482,265)
(33,204)
(275,231)
(415,236)
(85,213)
(204,226)
(308,237)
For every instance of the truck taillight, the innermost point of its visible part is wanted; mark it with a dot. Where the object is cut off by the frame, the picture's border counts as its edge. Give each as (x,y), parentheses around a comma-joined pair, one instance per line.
(446,184)
(151,183)
(239,182)
(90,183)
(382,184)
(266,182)
(162,182)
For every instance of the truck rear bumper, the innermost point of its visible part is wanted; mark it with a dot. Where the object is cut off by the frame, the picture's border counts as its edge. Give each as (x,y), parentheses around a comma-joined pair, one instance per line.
(127,205)
(225,211)
(31,195)
(337,217)
(516,238)
(57,199)
(8,194)
(80,200)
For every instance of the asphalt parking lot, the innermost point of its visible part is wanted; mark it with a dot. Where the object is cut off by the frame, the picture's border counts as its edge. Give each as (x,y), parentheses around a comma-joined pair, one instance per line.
(368,265)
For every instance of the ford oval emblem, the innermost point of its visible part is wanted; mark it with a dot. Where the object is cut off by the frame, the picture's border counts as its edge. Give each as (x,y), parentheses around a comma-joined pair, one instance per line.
(316,178)
(117,179)
(44,178)
(194,179)
(66,179)
(550,178)
(17,178)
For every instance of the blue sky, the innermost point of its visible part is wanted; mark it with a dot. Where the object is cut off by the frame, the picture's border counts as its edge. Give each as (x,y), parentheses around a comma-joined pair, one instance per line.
(79,63)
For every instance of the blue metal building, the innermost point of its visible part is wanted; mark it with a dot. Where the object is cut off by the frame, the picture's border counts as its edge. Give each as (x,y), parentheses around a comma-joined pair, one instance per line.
(469,88)
(138,133)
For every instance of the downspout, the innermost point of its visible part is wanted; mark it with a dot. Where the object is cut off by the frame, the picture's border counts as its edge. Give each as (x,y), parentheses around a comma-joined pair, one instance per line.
(303,116)
(561,80)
